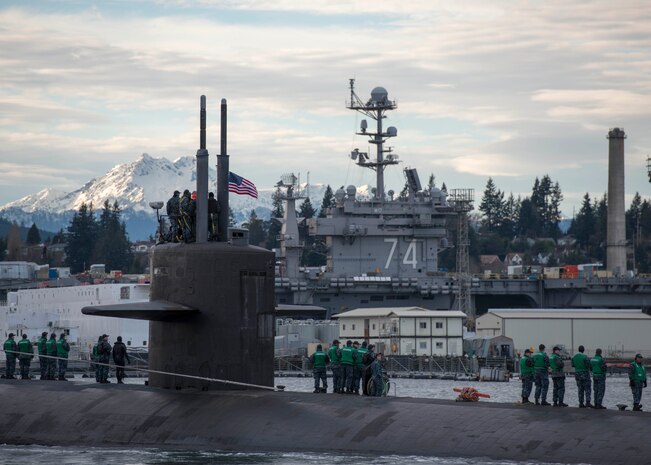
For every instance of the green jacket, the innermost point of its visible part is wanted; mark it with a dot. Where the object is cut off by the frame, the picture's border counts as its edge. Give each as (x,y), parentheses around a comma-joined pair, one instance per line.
(51,346)
(598,367)
(526,366)
(347,356)
(581,363)
(319,359)
(62,348)
(360,355)
(42,348)
(637,372)
(10,345)
(540,361)
(25,348)
(334,354)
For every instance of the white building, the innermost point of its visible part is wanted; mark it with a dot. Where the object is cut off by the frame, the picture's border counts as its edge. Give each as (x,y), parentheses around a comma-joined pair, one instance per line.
(616,332)
(405,330)
(58,309)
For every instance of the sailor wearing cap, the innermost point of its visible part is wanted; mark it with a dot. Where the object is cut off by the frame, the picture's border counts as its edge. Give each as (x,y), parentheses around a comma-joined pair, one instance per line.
(541,375)
(104,357)
(637,378)
(334,354)
(558,377)
(10,349)
(526,376)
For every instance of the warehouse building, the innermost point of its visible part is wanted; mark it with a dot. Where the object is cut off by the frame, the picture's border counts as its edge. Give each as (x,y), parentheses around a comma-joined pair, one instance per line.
(619,333)
(405,330)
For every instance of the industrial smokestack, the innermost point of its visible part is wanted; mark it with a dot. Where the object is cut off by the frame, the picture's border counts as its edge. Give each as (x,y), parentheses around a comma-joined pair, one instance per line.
(616,232)
(222,181)
(202,178)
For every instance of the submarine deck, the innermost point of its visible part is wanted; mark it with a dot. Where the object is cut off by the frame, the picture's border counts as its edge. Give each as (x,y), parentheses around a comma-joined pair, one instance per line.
(56,413)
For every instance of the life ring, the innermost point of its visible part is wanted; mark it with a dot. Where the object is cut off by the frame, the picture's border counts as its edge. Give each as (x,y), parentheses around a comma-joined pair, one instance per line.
(394,347)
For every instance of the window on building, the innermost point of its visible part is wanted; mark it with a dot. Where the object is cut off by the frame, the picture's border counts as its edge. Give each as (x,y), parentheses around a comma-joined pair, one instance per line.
(439,345)
(373,325)
(144,343)
(423,325)
(343,327)
(439,325)
(353,328)
(422,345)
(384,326)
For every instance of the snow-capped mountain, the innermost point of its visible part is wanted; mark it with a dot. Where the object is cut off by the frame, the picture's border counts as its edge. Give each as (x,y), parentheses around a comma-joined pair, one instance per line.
(134,185)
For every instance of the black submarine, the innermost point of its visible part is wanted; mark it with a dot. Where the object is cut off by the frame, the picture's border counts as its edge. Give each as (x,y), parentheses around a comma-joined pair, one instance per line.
(212,320)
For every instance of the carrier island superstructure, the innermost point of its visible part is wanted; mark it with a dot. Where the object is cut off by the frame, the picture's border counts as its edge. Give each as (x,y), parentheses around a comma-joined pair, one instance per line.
(383,250)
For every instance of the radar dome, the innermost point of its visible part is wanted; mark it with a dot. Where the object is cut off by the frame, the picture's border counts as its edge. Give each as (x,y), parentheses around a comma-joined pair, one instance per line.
(339,195)
(351,191)
(379,94)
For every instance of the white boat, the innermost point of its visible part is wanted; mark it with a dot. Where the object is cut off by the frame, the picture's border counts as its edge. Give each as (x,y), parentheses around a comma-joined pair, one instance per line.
(58,310)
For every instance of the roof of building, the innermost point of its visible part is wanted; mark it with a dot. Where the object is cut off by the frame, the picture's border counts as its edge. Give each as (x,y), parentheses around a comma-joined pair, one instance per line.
(563,313)
(399,312)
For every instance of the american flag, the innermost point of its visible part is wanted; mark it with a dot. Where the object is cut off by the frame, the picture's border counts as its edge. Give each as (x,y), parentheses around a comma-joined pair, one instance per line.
(242,186)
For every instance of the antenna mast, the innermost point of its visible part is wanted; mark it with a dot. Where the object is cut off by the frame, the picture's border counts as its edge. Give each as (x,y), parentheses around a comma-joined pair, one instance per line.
(375,108)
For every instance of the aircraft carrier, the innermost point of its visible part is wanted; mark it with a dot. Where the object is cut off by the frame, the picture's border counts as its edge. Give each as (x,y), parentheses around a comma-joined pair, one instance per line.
(384,250)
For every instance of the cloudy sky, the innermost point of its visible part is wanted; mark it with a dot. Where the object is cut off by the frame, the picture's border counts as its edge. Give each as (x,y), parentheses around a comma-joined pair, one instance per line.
(511,90)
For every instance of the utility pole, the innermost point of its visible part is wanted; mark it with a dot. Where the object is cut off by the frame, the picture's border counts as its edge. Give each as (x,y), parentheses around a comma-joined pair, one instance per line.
(462,202)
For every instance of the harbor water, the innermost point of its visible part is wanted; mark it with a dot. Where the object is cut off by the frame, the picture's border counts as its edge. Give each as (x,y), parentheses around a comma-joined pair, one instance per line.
(617,391)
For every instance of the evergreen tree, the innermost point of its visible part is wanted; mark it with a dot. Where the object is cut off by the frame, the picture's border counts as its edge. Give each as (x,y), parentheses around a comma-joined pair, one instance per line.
(444,188)
(554,211)
(14,244)
(492,205)
(509,217)
(3,248)
(583,225)
(112,246)
(431,182)
(598,245)
(33,235)
(306,210)
(633,217)
(327,202)
(256,229)
(274,227)
(528,219)
(80,239)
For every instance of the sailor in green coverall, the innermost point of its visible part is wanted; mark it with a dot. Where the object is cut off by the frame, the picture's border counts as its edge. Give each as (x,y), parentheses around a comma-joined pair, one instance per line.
(598,367)
(25,351)
(541,375)
(581,364)
(526,375)
(637,378)
(334,354)
(319,361)
(558,377)
(10,349)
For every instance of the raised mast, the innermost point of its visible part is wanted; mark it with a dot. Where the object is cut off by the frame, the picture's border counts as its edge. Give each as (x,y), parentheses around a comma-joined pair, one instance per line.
(374,108)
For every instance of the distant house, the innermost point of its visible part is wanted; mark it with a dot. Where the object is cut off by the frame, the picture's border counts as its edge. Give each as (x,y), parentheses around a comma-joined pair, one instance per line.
(491,263)
(405,330)
(513,259)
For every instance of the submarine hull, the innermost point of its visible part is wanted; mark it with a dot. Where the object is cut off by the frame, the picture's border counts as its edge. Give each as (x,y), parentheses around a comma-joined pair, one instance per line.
(78,414)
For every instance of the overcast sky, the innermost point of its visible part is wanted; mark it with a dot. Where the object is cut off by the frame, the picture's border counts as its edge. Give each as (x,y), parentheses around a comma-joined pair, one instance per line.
(511,90)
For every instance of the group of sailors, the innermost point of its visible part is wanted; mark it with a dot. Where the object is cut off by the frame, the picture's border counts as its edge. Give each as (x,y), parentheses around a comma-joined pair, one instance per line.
(351,365)
(182,214)
(53,357)
(101,356)
(536,369)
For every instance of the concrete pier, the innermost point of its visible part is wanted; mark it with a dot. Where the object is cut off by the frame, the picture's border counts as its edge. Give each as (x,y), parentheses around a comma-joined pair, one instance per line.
(76,414)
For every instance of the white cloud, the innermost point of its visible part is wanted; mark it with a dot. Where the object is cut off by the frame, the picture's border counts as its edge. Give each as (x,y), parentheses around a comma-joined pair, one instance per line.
(500,89)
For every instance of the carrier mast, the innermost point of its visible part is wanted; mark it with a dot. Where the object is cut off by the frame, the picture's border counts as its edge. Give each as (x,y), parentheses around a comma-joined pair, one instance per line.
(374,108)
